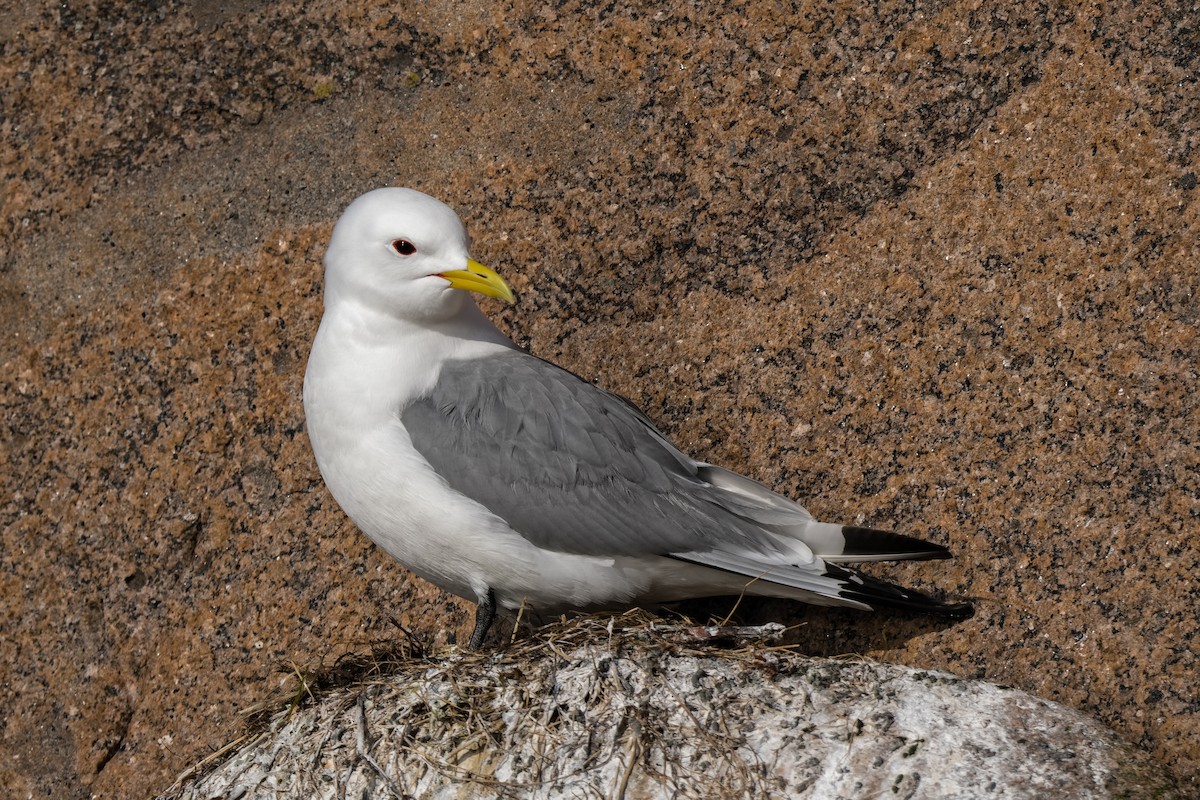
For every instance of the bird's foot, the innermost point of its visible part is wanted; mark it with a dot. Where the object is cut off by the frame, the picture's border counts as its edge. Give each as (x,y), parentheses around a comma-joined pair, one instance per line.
(484,614)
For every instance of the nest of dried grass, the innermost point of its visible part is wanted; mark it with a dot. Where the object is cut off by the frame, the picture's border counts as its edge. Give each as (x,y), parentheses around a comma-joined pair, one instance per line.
(634,706)
(461,710)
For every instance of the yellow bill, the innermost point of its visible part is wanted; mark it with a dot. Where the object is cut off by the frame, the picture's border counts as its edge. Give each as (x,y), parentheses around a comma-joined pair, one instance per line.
(478,278)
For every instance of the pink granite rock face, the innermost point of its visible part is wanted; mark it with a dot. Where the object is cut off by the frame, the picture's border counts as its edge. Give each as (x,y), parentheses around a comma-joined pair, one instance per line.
(931,268)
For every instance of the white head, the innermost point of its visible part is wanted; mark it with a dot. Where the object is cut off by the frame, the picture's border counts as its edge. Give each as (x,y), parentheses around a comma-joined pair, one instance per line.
(404,254)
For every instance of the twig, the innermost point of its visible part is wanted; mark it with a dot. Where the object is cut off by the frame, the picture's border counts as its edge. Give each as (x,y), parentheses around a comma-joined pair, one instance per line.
(361,746)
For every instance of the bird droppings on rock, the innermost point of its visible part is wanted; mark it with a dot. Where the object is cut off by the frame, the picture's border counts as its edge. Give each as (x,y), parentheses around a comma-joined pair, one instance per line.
(631,706)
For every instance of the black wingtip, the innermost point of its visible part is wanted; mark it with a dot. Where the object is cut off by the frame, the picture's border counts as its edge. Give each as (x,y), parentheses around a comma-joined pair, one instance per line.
(871,543)
(879,594)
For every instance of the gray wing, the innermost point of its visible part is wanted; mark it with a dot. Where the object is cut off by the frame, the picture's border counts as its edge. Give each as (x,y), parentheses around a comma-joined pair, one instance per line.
(571,467)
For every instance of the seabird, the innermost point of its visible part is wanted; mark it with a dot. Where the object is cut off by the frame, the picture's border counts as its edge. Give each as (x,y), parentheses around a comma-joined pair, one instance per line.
(511,482)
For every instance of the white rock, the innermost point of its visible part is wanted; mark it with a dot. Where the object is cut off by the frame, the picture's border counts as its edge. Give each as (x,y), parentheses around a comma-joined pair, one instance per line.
(629,717)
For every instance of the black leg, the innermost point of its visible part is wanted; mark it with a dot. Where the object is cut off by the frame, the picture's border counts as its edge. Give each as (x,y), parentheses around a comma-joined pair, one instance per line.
(484,614)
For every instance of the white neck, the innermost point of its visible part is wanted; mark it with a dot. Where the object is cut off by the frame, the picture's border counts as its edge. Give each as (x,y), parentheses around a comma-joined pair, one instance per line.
(365,358)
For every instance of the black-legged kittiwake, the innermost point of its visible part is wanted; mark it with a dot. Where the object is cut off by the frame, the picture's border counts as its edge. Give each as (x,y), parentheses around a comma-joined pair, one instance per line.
(511,482)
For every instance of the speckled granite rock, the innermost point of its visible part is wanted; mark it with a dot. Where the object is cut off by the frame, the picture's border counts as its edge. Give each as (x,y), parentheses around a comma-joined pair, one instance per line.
(930,268)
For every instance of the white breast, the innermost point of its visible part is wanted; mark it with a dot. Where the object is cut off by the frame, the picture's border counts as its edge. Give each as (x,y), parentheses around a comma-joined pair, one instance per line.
(361,371)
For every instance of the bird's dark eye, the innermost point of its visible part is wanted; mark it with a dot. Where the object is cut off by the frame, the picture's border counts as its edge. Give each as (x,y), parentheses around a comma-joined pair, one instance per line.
(404,247)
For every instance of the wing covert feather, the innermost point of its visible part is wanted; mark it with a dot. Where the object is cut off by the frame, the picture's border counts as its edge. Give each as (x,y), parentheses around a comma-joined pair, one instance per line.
(571,467)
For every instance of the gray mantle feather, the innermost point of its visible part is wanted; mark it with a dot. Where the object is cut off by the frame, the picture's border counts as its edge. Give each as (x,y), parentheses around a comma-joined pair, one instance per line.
(572,467)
